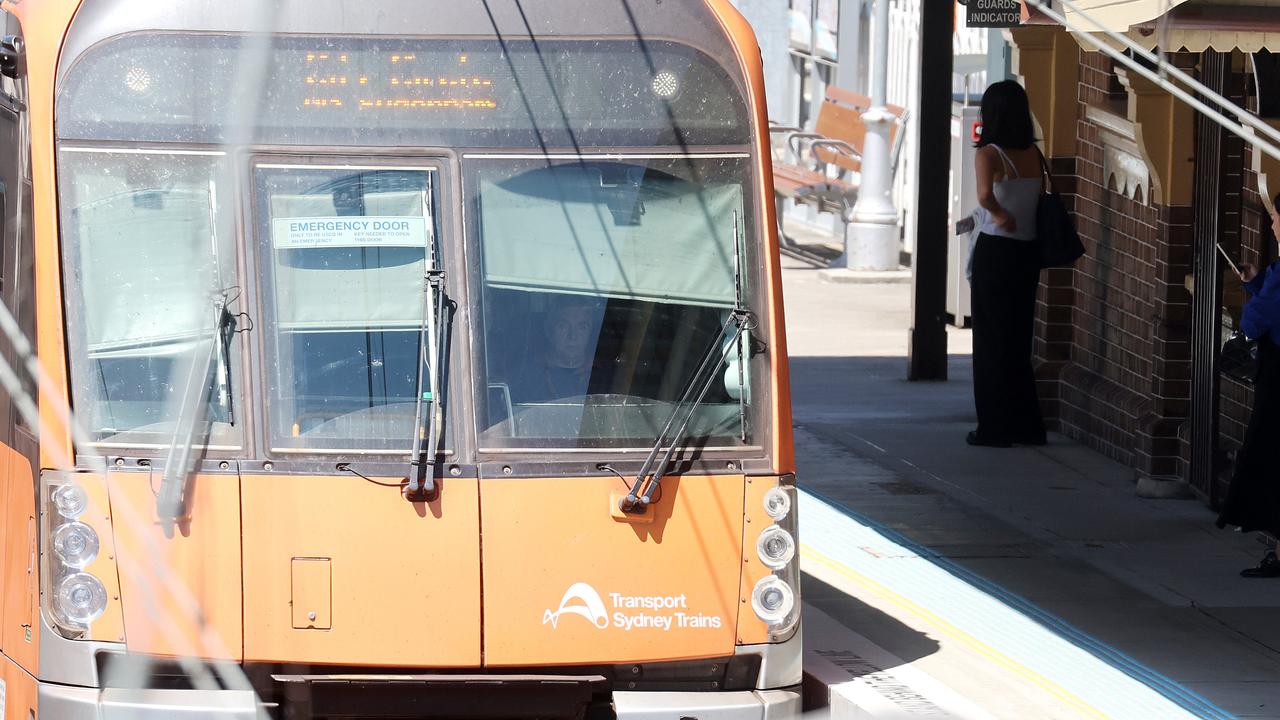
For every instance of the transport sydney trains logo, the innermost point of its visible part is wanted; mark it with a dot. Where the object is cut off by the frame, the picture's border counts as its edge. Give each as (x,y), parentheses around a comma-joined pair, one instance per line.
(580,599)
(629,612)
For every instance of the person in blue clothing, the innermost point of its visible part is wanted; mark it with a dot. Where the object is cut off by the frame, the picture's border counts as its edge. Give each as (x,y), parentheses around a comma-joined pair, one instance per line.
(1253,499)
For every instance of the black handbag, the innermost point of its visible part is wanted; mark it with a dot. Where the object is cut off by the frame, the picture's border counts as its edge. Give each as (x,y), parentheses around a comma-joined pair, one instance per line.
(1239,358)
(1060,244)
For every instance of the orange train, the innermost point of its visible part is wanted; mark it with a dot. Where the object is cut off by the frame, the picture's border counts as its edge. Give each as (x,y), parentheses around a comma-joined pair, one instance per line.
(391,359)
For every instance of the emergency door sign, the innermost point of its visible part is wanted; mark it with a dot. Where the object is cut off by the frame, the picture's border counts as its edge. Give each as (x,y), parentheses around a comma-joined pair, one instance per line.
(350,231)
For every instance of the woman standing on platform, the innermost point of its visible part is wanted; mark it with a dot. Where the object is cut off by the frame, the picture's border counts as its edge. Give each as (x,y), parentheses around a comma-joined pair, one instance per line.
(1005,270)
(1253,500)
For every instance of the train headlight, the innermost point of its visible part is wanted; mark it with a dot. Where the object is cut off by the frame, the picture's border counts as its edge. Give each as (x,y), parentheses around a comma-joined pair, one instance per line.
(777,503)
(76,544)
(773,600)
(775,547)
(666,84)
(70,501)
(137,79)
(80,598)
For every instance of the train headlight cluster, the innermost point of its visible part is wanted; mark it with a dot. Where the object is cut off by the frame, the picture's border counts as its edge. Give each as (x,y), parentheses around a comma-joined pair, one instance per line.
(773,600)
(81,598)
(75,596)
(777,503)
(70,501)
(776,547)
(76,544)
(775,597)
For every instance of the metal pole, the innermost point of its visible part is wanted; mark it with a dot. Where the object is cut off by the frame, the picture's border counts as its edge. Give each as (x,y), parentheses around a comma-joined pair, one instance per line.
(927,354)
(880,82)
(872,239)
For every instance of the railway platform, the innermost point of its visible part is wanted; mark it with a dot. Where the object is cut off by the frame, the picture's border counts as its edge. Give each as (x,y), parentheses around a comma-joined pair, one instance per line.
(943,580)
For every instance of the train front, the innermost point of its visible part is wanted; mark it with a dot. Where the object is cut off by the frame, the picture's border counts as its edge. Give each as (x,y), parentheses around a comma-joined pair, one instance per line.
(427,361)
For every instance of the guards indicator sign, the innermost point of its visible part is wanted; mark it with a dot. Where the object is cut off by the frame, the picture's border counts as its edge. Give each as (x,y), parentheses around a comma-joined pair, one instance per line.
(347,232)
(994,13)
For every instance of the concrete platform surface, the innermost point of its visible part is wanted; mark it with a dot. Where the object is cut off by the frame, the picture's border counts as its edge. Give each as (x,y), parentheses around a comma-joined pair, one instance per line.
(1027,582)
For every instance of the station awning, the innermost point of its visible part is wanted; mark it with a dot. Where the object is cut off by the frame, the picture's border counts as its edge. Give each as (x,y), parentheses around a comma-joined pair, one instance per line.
(1190,25)
(1118,15)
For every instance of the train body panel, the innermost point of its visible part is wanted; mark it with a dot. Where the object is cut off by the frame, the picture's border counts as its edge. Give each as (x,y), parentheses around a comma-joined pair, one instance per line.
(265,272)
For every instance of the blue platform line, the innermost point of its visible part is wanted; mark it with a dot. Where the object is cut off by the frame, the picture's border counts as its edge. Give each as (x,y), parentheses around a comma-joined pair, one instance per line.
(1168,687)
(1165,687)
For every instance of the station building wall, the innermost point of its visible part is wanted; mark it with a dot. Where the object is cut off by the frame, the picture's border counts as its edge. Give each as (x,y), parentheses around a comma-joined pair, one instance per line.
(1114,334)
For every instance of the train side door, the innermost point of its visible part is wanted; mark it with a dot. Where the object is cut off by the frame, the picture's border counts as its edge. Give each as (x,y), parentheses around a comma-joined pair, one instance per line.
(18,599)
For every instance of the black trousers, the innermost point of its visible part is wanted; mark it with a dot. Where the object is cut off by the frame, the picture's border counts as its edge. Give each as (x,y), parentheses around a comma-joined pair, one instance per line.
(1005,275)
(1253,499)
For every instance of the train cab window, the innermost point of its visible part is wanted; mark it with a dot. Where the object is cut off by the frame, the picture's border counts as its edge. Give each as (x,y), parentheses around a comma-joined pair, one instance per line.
(149,258)
(604,283)
(343,252)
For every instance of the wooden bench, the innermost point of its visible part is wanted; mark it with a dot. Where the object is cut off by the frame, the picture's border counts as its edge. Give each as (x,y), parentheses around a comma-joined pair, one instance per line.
(826,171)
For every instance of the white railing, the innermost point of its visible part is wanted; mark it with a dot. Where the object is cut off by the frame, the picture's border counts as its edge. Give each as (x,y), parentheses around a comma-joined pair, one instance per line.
(904,51)
(903,90)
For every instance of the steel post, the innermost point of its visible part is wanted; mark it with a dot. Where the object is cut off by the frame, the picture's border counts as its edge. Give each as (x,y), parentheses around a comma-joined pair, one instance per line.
(927,354)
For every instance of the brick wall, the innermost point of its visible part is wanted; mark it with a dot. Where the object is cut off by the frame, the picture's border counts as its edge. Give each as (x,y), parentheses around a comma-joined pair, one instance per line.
(1113,334)
(1115,362)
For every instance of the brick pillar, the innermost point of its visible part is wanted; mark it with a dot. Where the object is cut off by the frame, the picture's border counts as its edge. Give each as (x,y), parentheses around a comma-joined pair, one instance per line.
(1157,446)
(1112,332)
(1165,129)
(1047,60)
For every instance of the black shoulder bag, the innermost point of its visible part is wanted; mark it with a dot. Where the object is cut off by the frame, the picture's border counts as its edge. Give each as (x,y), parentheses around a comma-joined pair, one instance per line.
(1239,358)
(1060,244)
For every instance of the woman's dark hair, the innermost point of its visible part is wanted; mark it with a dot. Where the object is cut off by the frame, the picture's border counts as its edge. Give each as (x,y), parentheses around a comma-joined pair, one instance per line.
(1006,117)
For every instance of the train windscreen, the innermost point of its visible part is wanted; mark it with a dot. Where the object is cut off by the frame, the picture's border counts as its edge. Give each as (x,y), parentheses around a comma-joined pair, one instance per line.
(152,284)
(605,283)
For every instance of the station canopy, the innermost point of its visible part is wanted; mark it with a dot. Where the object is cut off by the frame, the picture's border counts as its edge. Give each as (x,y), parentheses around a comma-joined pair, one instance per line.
(1187,25)
(1117,15)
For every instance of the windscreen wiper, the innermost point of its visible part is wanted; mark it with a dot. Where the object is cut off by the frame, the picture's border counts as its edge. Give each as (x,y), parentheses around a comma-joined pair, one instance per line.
(739,323)
(201,377)
(422,455)
(652,471)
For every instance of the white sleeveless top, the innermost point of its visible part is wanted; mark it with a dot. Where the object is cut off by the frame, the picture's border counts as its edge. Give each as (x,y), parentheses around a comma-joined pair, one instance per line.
(1019,197)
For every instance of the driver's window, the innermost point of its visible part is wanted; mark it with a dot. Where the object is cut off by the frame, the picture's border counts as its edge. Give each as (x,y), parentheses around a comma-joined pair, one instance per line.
(604,284)
(344,253)
(149,255)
